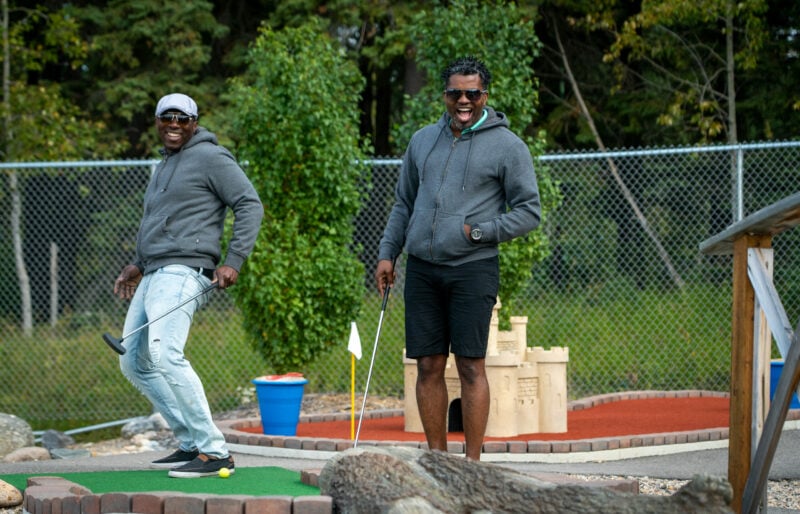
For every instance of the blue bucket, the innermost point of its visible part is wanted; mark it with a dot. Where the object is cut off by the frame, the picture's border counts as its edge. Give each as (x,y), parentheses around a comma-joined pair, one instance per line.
(775,370)
(279,400)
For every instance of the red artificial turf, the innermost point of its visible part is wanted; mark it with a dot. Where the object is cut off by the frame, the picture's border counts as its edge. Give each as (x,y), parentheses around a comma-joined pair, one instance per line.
(617,418)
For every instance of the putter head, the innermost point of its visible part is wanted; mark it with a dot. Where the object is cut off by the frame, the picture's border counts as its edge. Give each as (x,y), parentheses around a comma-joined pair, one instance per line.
(114,343)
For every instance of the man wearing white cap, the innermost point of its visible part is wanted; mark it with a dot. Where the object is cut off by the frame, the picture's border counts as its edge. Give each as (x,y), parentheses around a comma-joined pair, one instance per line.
(178,254)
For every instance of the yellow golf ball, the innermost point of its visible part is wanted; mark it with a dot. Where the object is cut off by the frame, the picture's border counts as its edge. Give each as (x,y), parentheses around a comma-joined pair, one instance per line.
(224,473)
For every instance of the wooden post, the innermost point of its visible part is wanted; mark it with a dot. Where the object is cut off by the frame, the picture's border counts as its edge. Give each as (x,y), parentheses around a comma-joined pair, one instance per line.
(755,231)
(742,346)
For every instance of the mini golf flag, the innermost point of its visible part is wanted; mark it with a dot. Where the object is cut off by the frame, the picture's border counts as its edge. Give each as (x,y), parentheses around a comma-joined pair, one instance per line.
(354,345)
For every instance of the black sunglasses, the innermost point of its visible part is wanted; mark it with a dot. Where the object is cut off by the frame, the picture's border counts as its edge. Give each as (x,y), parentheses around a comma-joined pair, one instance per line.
(169,117)
(473,95)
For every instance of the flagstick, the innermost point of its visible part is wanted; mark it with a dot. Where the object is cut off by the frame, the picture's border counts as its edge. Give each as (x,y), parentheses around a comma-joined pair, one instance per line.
(352,396)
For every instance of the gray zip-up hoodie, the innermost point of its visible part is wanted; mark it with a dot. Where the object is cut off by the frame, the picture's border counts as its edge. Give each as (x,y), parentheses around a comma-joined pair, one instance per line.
(185,205)
(484,178)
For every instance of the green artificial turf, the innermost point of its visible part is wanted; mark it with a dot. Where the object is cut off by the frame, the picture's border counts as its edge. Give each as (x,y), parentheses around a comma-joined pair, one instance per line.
(261,481)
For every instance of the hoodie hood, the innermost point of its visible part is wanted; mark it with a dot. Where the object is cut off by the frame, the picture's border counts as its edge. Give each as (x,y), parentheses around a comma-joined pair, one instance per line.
(201,135)
(493,119)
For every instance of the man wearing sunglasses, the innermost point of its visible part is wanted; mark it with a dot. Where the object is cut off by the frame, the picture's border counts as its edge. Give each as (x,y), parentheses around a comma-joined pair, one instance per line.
(466,184)
(178,255)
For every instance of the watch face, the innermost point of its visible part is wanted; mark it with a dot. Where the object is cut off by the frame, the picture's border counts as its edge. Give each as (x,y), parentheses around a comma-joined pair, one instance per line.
(476,233)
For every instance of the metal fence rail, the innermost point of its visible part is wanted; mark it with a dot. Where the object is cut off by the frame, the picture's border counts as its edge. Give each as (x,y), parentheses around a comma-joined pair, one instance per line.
(632,316)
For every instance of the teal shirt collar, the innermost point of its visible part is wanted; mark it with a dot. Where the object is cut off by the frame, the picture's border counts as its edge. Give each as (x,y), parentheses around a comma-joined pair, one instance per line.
(478,124)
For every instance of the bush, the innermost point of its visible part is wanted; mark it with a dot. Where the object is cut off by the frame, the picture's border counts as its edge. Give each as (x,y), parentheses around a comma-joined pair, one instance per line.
(298,128)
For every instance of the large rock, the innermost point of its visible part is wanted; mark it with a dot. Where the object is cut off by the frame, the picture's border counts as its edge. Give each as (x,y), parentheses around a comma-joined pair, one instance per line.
(52,439)
(405,480)
(153,423)
(27,454)
(15,433)
(10,496)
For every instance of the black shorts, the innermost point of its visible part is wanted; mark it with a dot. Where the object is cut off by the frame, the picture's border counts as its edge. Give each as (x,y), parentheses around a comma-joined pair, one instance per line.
(449,308)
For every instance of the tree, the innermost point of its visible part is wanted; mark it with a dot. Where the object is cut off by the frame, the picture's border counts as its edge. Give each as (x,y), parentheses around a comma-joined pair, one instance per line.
(661,73)
(690,50)
(143,49)
(298,133)
(612,166)
(375,35)
(498,33)
(675,81)
(39,124)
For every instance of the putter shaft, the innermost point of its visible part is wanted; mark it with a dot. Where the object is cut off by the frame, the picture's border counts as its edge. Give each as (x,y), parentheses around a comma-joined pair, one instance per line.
(116,344)
(371,364)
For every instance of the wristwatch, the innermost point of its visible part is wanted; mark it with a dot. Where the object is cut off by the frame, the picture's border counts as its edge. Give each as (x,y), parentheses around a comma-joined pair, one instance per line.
(475,233)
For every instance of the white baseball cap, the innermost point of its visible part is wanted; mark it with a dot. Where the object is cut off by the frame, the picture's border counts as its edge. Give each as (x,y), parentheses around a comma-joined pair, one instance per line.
(177,101)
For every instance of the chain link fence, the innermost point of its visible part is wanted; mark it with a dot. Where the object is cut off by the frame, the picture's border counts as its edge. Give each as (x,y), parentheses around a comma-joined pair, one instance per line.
(624,287)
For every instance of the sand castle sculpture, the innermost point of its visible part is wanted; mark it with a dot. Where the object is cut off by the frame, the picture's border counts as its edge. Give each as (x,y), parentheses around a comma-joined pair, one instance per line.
(528,386)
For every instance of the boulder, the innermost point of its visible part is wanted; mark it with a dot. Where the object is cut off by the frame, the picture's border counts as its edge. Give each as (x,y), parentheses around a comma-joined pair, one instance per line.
(10,496)
(404,480)
(15,433)
(52,439)
(153,423)
(27,454)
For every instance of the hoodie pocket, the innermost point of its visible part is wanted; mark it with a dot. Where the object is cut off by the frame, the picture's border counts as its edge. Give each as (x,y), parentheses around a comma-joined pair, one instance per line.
(155,237)
(419,232)
(449,240)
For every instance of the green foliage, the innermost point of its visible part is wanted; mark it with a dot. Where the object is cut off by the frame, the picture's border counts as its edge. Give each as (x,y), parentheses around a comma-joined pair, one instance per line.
(57,35)
(497,33)
(44,124)
(298,128)
(672,340)
(689,49)
(47,127)
(144,49)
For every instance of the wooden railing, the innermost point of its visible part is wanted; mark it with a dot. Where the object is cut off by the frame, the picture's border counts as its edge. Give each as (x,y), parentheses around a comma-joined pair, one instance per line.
(755,425)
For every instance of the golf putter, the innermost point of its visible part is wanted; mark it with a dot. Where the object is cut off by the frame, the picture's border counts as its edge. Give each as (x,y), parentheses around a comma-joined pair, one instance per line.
(372,360)
(116,343)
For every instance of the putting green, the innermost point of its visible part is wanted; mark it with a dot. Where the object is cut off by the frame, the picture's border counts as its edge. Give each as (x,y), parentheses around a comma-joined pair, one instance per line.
(262,481)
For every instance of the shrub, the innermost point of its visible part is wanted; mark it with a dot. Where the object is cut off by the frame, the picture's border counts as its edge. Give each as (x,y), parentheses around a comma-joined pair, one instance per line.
(298,128)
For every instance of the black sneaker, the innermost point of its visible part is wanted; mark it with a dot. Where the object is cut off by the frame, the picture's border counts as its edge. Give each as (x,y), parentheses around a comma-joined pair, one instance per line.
(203,466)
(178,458)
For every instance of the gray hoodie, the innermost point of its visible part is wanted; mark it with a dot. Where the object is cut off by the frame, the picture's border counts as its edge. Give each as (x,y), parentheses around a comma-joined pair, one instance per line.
(185,206)
(484,178)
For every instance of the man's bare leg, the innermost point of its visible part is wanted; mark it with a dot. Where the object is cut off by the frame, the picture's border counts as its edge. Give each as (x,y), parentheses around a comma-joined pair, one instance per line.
(432,399)
(474,403)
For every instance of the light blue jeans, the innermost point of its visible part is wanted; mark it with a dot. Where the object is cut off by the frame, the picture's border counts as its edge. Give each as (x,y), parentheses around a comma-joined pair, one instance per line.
(154,361)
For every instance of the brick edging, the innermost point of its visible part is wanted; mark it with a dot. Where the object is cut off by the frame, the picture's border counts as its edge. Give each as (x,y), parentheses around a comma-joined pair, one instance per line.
(233,433)
(55,494)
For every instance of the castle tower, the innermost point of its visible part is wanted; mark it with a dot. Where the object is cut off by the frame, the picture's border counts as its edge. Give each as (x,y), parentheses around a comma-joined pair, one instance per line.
(528,386)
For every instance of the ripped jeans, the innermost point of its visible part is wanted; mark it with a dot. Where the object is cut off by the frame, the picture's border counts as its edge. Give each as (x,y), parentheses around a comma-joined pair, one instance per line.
(154,361)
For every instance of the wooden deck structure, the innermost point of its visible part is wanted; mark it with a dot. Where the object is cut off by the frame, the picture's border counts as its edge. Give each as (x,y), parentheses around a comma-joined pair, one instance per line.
(755,425)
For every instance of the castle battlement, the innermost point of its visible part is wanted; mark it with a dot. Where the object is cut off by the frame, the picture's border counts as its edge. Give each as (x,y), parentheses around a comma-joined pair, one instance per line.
(527,386)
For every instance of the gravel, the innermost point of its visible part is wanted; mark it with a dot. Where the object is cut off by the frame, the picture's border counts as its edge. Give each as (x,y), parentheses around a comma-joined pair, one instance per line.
(781,494)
